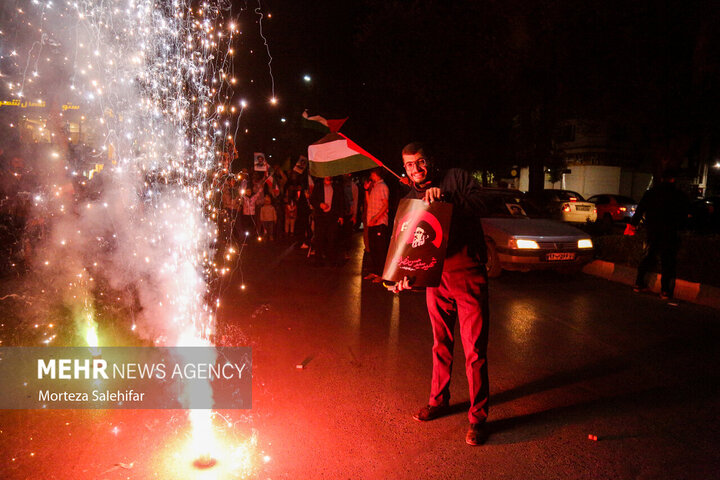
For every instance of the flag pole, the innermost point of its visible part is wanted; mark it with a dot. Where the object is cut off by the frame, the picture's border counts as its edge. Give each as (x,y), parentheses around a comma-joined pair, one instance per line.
(403,180)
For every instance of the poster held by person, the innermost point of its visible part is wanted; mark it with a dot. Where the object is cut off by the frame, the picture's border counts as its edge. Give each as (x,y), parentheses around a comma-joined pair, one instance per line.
(418,243)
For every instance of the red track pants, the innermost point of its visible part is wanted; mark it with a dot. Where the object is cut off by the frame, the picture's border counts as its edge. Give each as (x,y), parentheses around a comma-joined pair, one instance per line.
(461,296)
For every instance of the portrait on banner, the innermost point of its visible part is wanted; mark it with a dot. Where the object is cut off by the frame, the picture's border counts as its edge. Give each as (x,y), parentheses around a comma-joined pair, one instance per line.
(260,164)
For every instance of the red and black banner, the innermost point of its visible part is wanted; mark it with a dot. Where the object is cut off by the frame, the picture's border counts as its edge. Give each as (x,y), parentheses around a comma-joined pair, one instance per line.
(418,242)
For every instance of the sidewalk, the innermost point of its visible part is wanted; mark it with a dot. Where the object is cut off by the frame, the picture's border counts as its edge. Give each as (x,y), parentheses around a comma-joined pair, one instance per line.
(688,291)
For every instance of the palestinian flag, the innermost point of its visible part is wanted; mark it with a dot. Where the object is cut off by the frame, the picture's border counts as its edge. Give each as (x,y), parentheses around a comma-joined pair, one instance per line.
(335,154)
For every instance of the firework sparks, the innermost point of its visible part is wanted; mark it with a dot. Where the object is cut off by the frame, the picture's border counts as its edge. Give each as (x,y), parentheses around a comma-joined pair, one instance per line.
(232,456)
(150,85)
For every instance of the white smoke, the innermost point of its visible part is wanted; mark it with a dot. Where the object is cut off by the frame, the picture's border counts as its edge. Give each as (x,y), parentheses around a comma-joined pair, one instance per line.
(146,78)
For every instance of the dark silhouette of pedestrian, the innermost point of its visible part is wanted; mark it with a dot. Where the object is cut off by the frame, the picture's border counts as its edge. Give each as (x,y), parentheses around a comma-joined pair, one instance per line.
(328,202)
(663,209)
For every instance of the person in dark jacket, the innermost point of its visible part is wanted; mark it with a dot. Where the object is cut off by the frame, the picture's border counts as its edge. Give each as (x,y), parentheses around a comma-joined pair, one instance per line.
(328,202)
(664,209)
(303,227)
(462,294)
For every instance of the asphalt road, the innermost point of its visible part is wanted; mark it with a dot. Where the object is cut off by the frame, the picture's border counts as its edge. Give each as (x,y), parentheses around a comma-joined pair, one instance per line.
(569,356)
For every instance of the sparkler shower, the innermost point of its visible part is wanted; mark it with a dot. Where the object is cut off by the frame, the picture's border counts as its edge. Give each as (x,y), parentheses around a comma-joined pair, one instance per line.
(146,78)
(149,81)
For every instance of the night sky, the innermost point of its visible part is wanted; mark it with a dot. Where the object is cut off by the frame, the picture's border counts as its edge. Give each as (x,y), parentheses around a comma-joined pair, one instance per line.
(486,82)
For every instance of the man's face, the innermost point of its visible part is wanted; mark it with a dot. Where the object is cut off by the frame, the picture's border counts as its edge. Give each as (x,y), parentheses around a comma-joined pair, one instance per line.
(327,180)
(419,237)
(374,177)
(415,167)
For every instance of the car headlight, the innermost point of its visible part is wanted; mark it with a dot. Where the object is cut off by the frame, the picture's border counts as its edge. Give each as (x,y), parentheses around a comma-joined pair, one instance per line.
(585,243)
(521,243)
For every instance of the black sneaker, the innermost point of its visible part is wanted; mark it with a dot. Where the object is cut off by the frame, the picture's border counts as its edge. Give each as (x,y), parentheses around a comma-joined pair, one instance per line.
(477,434)
(431,412)
(639,288)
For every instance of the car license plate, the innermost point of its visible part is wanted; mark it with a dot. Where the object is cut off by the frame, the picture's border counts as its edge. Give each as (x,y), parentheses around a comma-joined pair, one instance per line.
(582,208)
(555,256)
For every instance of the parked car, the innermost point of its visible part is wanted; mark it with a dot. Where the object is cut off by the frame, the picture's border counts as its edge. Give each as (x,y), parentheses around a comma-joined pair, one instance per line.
(563,205)
(517,242)
(704,215)
(613,208)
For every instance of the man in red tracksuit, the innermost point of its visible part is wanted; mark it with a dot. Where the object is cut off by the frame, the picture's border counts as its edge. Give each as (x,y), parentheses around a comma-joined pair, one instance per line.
(462,294)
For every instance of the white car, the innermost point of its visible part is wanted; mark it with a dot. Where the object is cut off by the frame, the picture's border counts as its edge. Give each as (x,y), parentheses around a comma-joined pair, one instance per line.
(563,205)
(518,242)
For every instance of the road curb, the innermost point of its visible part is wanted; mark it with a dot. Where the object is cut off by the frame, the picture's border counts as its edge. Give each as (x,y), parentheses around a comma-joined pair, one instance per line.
(688,291)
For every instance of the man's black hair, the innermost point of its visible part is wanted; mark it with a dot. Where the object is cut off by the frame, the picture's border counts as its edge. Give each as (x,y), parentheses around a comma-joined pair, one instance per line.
(418,147)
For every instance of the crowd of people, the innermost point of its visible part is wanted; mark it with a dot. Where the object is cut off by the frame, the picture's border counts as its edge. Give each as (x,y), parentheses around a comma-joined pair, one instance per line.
(319,214)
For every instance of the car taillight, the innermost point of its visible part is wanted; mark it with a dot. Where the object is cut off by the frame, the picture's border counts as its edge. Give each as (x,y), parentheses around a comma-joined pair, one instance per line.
(573,199)
(622,209)
(566,208)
